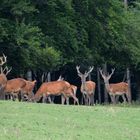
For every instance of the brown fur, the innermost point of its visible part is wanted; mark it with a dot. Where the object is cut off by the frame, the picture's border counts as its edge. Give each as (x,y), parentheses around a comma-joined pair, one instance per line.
(14,86)
(71,92)
(90,87)
(3,80)
(118,87)
(28,88)
(51,88)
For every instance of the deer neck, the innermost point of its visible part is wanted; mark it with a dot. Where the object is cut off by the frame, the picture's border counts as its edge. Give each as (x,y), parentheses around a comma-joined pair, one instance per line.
(83,85)
(107,85)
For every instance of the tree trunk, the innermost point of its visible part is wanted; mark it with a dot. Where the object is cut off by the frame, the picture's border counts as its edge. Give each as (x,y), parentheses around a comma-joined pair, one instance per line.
(49,77)
(129,82)
(29,75)
(99,86)
(138,86)
(125,4)
(105,92)
(89,77)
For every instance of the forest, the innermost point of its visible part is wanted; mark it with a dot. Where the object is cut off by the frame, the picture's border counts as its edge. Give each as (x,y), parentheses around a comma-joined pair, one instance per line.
(55,36)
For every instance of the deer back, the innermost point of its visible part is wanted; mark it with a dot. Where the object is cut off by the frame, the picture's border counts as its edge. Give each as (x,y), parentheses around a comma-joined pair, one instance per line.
(15,85)
(52,88)
(119,87)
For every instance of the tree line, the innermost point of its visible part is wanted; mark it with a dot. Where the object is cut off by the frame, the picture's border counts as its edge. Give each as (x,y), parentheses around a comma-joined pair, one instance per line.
(48,35)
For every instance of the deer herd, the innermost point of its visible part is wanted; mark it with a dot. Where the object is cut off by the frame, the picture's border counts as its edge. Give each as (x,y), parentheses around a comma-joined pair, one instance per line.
(21,89)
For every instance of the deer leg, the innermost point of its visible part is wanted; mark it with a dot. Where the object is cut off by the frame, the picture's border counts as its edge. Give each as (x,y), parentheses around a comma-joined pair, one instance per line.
(67,100)
(124,99)
(63,99)
(82,100)
(49,98)
(52,98)
(20,96)
(113,99)
(2,93)
(92,99)
(117,98)
(30,95)
(12,96)
(88,100)
(44,98)
(75,99)
(85,98)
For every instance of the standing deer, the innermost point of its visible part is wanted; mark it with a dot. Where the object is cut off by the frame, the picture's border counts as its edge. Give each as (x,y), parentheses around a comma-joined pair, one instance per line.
(116,89)
(70,92)
(3,78)
(55,88)
(87,87)
(14,88)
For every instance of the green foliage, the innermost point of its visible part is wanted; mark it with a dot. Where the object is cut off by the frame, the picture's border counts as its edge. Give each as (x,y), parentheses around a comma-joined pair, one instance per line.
(73,31)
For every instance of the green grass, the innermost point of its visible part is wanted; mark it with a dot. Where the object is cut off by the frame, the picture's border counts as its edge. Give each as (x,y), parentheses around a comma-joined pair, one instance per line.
(32,121)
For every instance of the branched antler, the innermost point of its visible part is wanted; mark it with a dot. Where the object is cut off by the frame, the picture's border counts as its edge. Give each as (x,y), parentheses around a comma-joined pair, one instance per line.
(3,60)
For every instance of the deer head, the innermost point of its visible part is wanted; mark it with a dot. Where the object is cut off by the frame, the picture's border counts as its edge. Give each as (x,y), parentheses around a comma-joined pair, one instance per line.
(107,76)
(83,76)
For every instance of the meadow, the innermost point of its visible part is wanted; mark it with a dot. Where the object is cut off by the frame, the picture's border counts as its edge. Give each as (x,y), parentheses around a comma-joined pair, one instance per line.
(36,121)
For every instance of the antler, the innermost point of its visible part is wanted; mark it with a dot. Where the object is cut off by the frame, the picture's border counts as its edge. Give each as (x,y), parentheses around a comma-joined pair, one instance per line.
(7,70)
(101,72)
(90,70)
(112,71)
(78,71)
(3,60)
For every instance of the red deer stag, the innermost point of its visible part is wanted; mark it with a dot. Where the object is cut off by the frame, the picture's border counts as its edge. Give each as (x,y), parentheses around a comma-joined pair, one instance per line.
(55,88)
(116,89)
(3,78)
(87,87)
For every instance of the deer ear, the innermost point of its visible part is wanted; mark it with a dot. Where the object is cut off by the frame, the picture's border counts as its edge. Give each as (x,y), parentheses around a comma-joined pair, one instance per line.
(34,81)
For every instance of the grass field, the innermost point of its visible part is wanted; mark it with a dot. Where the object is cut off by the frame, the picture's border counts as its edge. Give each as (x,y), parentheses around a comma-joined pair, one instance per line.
(32,121)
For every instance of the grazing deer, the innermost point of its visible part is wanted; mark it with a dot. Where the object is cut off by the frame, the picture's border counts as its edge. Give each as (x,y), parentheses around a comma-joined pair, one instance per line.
(55,88)
(116,89)
(19,88)
(87,87)
(27,90)
(3,78)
